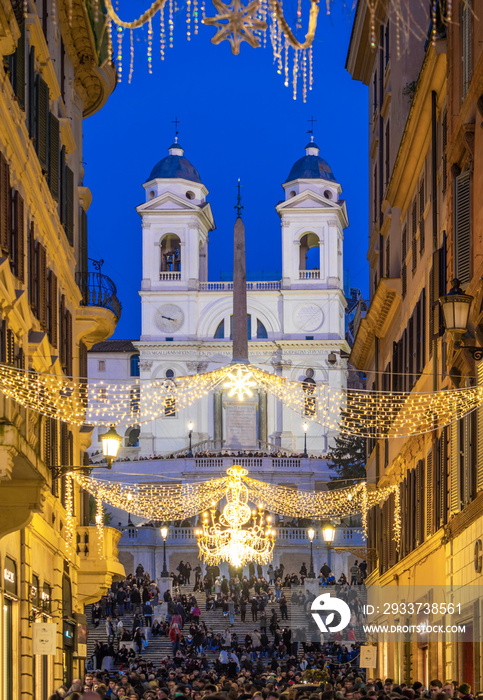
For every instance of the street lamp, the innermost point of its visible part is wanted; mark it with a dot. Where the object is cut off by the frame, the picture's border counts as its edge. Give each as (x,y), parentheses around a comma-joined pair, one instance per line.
(190,428)
(456,309)
(311,534)
(111,443)
(164,534)
(305,427)
(328,533)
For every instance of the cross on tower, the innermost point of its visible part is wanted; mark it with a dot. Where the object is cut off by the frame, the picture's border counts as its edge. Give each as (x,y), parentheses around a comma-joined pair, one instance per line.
(311,130)
(176,121)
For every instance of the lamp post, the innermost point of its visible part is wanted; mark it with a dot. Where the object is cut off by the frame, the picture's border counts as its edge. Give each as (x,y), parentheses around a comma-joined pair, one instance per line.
(311,534)
(328,533)
(190,428)
(111,443)
(305,427)
(164,534)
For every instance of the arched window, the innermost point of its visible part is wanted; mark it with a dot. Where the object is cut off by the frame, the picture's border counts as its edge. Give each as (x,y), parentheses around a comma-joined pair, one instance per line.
(169,374)
(134,365)
(310,405)
(261,330)
(169,403)
(170,253)
(66,597)
(220,329)
(132,436)
(135,400)
(309,252)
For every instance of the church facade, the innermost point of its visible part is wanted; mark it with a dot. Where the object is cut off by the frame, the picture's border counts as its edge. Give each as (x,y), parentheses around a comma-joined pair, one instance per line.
(296,325)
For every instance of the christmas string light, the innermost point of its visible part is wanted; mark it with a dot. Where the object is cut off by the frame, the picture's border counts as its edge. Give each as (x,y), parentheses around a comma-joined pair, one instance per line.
(131,62)
(100,527)
(150,46)
(171,23)
(188,20)
(195,16)
(179,501)
(162,34)
(373,414)
(119,53)
(311,71)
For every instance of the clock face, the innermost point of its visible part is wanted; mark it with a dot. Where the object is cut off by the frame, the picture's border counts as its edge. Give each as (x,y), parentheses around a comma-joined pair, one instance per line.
(308,317)
(169,318)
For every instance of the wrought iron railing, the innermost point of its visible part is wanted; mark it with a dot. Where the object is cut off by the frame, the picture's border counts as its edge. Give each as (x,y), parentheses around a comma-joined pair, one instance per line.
(99,290)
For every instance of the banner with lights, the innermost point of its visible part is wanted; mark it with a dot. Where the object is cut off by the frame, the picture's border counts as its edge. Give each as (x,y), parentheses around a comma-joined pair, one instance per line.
(373,414)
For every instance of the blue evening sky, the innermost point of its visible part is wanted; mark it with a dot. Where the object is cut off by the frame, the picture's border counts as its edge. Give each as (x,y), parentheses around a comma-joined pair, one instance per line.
(237,121)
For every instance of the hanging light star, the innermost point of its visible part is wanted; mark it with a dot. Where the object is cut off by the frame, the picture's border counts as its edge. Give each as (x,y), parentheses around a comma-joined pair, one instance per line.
(237,23)
(239,383)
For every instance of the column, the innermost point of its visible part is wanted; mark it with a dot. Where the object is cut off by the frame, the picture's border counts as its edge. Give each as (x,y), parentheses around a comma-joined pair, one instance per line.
(217,419)
(262,416)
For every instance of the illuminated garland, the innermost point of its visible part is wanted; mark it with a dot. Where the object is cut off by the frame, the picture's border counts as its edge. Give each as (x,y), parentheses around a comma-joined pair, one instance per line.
(170,502)
(372,414)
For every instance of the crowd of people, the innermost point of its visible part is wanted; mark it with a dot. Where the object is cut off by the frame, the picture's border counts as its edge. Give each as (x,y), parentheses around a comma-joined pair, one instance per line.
(263,598)
(274,661)
(220,453)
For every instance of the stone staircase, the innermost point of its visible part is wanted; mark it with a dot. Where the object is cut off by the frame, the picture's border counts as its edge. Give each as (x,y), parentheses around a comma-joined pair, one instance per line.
(159,647)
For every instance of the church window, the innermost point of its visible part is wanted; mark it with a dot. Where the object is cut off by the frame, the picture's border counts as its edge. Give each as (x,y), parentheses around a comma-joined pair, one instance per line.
(101,365)
(328,194)
(170,253)
(292,193)
(169,374)
(169,404)
(134,365)
(190,195)
(132,436)
(102,394)
(151,194)
(249,327)
(261,330)
(220,329)
(310,405)
(309,252)
(135,400)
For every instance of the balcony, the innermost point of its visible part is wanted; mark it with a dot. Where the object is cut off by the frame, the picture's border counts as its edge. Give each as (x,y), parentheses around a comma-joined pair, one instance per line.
(99,563)
(309,274)
(170,276)
(251,286)
(100,308)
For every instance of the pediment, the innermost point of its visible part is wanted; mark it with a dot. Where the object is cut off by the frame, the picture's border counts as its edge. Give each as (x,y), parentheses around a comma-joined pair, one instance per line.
(39,351)
(167,202)
(308,200)
(20,319)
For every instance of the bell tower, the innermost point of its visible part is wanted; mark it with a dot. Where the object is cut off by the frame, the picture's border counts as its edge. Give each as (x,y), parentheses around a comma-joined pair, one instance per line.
(313,217)
(176,221)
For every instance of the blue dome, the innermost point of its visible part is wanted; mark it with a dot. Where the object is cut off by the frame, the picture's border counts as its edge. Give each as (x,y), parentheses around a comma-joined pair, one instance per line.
(175,166)
(311,168)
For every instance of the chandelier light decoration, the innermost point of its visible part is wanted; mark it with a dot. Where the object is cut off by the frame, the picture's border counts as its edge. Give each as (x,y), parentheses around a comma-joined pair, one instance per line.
(239,535)
(374,414)
(179,501)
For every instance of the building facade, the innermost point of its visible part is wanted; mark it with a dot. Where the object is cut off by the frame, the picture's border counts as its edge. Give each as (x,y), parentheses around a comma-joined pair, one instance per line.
(296,325)
(424,136)
(55,71)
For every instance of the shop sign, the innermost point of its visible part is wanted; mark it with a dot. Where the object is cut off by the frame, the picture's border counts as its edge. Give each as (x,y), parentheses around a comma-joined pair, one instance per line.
(44,638)
(10,576)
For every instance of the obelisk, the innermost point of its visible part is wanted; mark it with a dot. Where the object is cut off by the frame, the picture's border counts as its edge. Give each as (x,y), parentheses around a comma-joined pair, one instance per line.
(240,323)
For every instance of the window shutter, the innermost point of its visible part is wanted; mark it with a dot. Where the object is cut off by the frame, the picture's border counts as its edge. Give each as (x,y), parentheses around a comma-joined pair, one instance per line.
(20,72)
(419,502)
(47,441)
(19,238)
(83,243)
(431,312)
(32,95)
(388,258)
(53,320)
(479,472)
(5,204)
(69,348)
(465,456)
(69,221)
(429,494)
(454,469)
(43,123)
(62,343)
(462,227)
(414,217)
(54,143)
(421,216)
(42,286)
(466,48)
(444,142)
